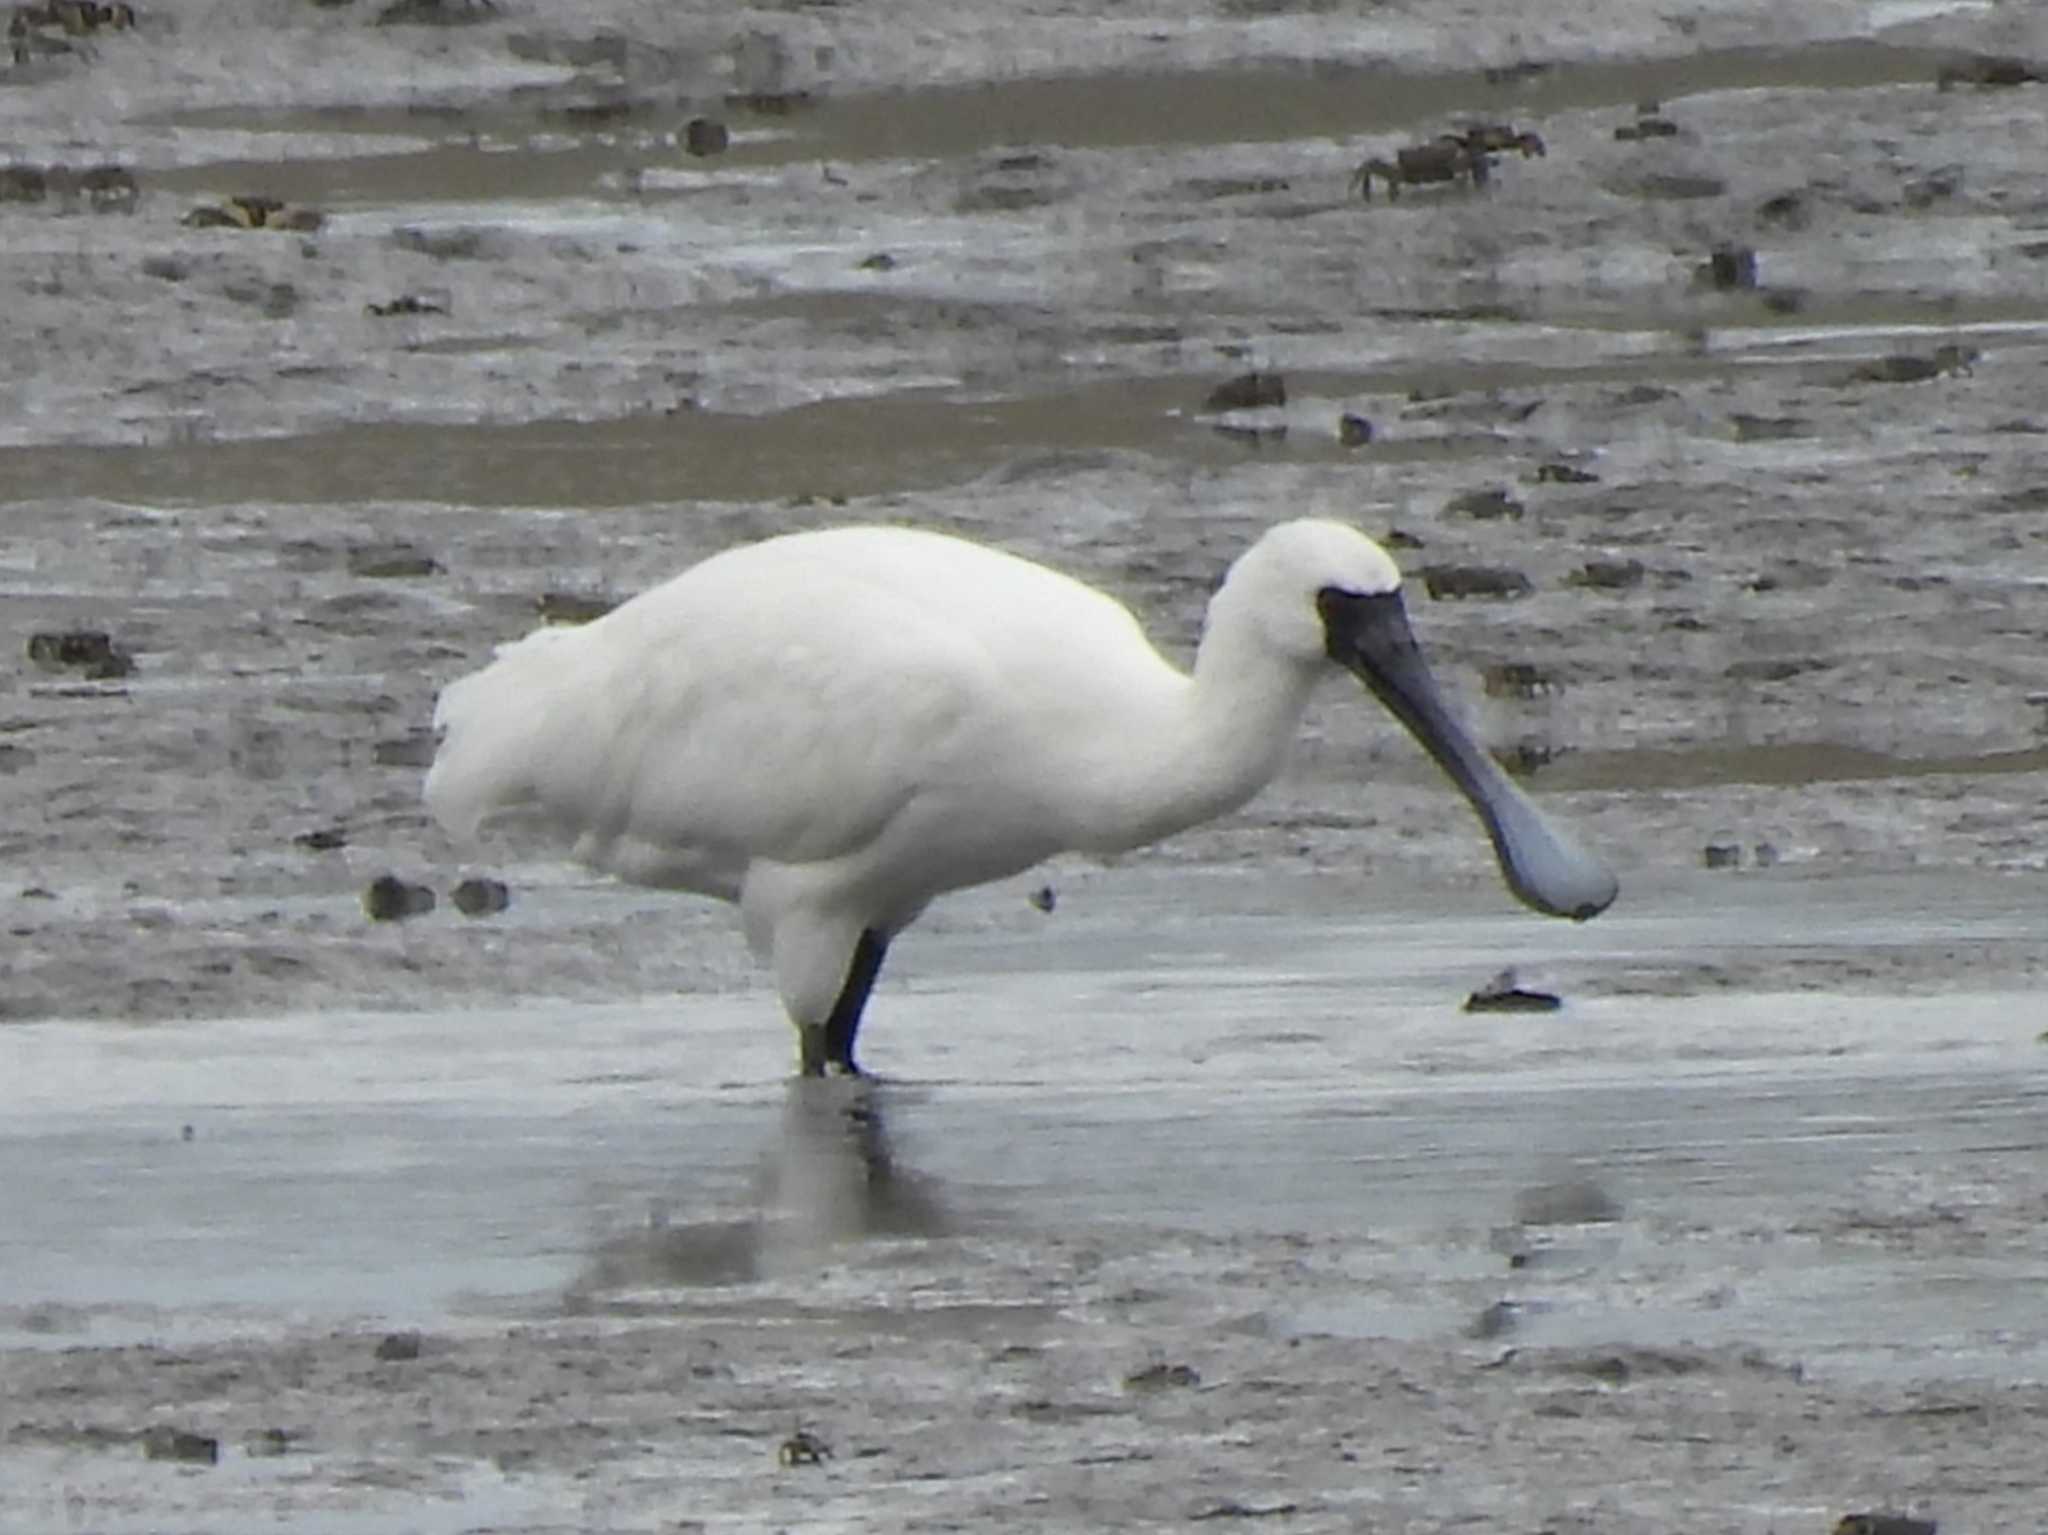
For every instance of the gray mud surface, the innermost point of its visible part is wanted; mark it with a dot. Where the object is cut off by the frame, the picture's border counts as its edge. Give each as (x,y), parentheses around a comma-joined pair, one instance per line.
(1779,648)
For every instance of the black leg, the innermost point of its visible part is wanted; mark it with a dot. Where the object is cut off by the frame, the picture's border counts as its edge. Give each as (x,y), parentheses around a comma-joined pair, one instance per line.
(844,1023)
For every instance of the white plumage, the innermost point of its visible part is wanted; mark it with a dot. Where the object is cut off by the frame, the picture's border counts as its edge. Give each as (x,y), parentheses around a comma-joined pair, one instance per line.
(832,728)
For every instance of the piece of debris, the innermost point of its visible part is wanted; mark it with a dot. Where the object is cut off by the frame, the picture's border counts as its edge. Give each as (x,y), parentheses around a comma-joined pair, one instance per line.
(880,261)
(265,1443)
(1453,582)
(1503,995)
(324,840)
(391,899)
(1557,472)
(394,1347)
(1248,391)
(1044,899)
(1162,1377)
(1353,431)
(803,1448)
(406,303)
(478,896)
(90,651)
(165,1443)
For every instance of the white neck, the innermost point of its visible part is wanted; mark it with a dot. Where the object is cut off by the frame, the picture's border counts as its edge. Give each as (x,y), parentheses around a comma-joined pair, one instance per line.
(1199,745)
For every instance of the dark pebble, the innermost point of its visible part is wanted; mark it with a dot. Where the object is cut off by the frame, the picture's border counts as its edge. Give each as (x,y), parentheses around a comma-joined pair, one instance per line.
(397,1346)
(391,899)
(163,1443)
(1248,391)
(1451,582)
(479,897)
(90,651)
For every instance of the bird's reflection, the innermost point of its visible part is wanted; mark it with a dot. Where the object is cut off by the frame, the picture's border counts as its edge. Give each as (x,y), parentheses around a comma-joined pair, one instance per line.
(834,1174)
(829,1177)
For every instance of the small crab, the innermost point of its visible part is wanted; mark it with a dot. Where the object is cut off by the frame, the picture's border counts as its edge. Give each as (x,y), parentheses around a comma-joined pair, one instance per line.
(803,1448)
(255,212)
(1448,158)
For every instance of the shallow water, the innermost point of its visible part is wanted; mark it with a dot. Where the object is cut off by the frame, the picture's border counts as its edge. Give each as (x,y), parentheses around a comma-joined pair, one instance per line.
(1232,1076)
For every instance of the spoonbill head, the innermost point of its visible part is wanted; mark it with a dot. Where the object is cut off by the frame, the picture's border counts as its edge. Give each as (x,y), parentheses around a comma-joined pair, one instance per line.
(830,729)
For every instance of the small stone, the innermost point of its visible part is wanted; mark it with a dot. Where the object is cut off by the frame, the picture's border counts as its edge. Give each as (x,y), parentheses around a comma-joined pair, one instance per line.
(395,1347)
(1353,431)
(1490,505)
(413,749)
(1453,582)
(391,899)
(391,562)
(1730,268)
(91,651)
(1503,995)
(703,136)
(480,897)
(1572,1202)
(1987,71)
(1647,126)
(572,607)
(1721,855)
(1883,1524)
(1495,1321)
(1750,428)
(1560,473)
(1608,575)
(1162,1377)
(166,1443)
(1044,899)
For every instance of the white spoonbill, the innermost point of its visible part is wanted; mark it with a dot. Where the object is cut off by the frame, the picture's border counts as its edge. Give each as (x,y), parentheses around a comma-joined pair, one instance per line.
(832,728)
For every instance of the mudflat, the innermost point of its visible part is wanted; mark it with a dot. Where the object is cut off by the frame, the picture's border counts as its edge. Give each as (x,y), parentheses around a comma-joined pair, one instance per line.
(1710,440)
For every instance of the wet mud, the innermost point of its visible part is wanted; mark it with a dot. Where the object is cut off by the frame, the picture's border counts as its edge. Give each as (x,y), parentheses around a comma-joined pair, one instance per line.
(1744,418)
